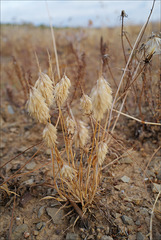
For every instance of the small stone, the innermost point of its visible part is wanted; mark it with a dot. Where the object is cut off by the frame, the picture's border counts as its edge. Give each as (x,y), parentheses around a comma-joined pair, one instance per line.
(56,214)
(118,187)
(30,166)
(150,174)
(72,236)
(10,109)
(17,234)
(28,182)
(125,179)
(35,233)
(156,187)
(105,237)
(40,225)
(126,160)
(41,211)
(139,236)
(26,234)
(138,223)
(144,212)
(127,220)
(21,149)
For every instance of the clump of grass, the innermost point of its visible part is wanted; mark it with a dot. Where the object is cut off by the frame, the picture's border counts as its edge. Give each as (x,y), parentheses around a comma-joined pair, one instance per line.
(76,168)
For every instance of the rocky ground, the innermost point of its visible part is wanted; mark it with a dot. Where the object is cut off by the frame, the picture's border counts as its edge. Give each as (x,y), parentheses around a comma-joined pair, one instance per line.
(130,185)
(121,210)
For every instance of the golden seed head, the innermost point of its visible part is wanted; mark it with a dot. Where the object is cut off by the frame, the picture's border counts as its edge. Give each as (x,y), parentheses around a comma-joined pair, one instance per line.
(50,135)
(45,86)
(101,96)
(86,104)
(153,45)
(68,172)
(102,151)
(71,125)
(62,90)
(81,134)
(37,106)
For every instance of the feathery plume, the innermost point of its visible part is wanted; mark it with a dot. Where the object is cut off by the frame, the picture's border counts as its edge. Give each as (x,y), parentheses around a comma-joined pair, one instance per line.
(86,104)
(37,107)
(62,90)
(45,86)
(68,172)
(81,134)
(71,125)
(101,96)
(50,135)
(102,151)
(153,46)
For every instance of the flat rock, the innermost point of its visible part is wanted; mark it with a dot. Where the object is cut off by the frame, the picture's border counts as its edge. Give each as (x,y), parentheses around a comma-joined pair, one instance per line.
(10,109)
(30,166)
(56,214)
(126,160)
(17,234)
(72,236)
(105,237)
(125,179)
(28,182)
(41,211)
(139,236)
(156,187)
(127,220)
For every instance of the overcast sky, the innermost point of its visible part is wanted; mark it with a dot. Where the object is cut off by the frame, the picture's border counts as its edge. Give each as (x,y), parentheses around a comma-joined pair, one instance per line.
(78,13)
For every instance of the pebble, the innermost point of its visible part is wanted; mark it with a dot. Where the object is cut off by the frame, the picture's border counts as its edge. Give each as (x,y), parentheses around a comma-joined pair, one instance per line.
(56,214)
(40,225)
(144,212)
(17,234)
(21,149)
(30,166)
(125,179)
(26,234)
(41,211)
(127,220)
(72,236)
(105,237)
(126,160)
(28,182)
(10,109)
(139,236)
(138,223)
(156,188)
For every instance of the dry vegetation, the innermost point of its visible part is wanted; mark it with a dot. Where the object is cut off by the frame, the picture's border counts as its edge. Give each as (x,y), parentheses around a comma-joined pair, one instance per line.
(91,147)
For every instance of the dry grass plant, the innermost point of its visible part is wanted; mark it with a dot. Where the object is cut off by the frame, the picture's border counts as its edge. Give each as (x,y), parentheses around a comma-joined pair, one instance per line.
(78,166)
